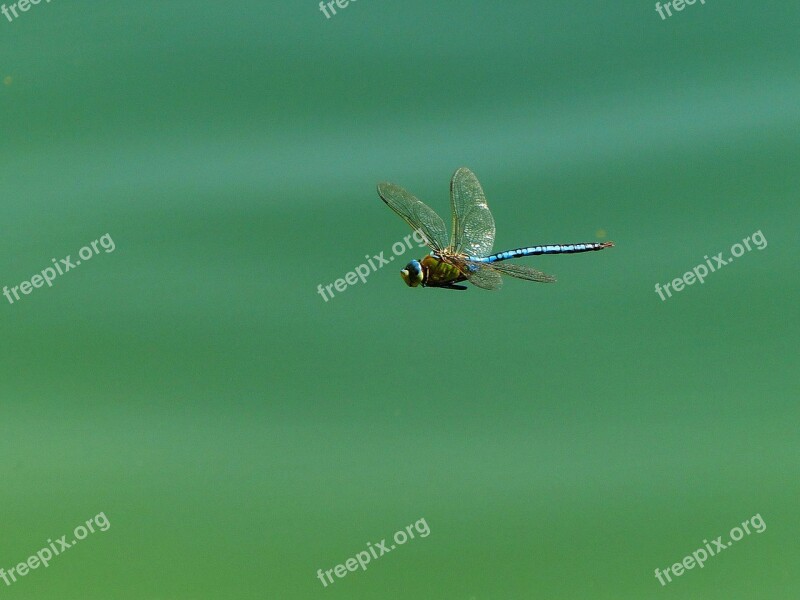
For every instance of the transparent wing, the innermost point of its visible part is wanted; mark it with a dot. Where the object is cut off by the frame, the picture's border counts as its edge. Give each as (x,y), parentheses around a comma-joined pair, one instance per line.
(416,213)
(522,272)
(473,224)
(489,275)
(481,274)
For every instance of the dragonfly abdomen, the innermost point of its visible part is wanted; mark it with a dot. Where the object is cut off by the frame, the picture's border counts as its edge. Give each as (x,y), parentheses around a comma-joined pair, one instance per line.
(537,250)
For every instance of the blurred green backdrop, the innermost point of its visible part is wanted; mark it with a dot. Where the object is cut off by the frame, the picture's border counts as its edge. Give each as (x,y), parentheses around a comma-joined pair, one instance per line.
(240,433)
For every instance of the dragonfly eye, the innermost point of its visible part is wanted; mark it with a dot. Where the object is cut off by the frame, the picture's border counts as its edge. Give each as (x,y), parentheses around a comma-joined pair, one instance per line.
(412,274)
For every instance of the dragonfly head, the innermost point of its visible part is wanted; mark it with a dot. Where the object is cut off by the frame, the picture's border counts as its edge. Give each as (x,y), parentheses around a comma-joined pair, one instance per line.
(412,274)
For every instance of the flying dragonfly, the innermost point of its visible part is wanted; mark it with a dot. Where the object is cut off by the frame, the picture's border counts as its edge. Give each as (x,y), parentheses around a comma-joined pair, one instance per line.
(467,256)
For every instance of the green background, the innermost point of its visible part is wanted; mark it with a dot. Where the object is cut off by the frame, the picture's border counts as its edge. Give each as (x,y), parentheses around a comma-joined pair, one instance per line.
(561,441)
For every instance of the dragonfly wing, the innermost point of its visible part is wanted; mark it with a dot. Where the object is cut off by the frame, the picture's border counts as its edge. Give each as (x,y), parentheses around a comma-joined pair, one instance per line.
(522,272)
(473,224)
(416,213)
(482,275)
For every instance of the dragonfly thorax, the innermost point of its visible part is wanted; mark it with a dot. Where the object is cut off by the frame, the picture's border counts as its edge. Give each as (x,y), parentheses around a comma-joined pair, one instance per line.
(431,271)
(412,274)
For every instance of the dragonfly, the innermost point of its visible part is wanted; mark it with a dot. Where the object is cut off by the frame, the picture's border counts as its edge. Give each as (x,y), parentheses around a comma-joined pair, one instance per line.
(466,254)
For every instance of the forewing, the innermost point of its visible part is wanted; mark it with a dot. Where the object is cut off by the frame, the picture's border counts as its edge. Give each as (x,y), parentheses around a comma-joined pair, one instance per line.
(473,224)
(416,213)
(522,272)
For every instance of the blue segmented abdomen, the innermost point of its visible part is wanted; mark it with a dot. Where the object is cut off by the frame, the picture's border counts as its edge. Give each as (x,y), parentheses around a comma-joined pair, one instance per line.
(537,250)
